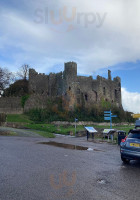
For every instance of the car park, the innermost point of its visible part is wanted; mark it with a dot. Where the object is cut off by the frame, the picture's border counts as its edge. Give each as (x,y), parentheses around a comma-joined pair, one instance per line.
(130,146)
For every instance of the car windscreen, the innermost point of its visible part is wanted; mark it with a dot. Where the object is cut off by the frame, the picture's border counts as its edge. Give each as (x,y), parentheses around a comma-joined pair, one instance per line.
(134,135)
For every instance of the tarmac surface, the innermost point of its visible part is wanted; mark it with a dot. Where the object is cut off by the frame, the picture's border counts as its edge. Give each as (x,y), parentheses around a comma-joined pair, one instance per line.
(32,170)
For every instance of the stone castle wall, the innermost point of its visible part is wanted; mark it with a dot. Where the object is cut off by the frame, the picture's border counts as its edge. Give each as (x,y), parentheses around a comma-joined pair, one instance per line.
(11,105)
(73,89)
(76,90)
(49,85)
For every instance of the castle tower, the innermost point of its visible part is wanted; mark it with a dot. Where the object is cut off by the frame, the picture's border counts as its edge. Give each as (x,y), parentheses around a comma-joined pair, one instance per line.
(117,93)
(109,75)
(70,84)
(70,72)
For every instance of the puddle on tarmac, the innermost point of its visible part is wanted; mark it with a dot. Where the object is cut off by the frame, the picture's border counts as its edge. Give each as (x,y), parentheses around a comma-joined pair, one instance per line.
(66,146)
(70,146)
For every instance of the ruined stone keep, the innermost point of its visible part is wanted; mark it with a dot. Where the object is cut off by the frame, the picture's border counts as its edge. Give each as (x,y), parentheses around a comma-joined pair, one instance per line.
(73,89)
(76,89)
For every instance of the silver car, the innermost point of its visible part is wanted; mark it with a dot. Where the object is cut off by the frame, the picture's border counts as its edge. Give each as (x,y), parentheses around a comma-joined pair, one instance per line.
(130,146)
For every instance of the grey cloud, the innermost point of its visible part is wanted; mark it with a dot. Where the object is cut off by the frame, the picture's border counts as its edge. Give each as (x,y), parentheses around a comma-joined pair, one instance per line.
(117,39)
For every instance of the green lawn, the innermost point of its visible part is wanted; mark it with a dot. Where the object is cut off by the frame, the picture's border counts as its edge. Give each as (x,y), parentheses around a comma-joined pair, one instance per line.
(18,118)
(45,134)
(48,129)
(65,130)
(54,129)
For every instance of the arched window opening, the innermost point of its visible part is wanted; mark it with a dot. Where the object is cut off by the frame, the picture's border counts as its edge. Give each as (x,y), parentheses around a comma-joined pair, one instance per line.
(115,93)
(86,97)
(104,91)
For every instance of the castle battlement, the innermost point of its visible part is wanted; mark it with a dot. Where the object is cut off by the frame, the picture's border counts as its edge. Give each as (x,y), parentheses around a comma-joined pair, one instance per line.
(76,89)
(73,90)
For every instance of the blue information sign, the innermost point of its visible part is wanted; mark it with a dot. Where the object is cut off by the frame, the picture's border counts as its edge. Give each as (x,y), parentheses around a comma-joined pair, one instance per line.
(107,112)
(108,117)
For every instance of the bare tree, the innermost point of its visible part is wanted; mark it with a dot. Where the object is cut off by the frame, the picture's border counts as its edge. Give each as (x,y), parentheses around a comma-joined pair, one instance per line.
(5,78)
(23,72)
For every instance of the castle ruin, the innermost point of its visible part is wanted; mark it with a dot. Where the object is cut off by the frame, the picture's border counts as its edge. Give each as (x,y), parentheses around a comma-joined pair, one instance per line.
(73,89)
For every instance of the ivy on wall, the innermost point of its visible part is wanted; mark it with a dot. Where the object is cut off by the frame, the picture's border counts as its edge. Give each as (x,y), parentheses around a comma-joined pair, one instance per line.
(24,99)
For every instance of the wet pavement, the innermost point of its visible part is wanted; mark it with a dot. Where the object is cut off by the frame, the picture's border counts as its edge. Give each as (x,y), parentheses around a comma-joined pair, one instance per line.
(33,171)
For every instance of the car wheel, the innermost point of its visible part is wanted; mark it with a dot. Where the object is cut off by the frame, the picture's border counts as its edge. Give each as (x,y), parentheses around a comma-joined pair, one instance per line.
(125,160)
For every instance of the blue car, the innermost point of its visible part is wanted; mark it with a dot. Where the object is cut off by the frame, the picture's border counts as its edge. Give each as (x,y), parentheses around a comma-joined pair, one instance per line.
(130,146)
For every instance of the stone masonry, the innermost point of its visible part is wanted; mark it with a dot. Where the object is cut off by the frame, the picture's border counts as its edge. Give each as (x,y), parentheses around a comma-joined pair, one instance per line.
(74,90)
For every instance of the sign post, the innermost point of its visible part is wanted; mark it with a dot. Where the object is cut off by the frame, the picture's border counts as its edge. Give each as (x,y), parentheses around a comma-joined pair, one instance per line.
(108,117)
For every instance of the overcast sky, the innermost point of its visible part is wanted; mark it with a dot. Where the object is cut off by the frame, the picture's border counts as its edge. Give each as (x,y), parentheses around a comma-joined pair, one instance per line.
(97,34)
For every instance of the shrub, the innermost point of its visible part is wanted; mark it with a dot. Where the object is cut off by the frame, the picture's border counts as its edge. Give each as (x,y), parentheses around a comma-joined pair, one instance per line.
(55,112)
(19,88)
